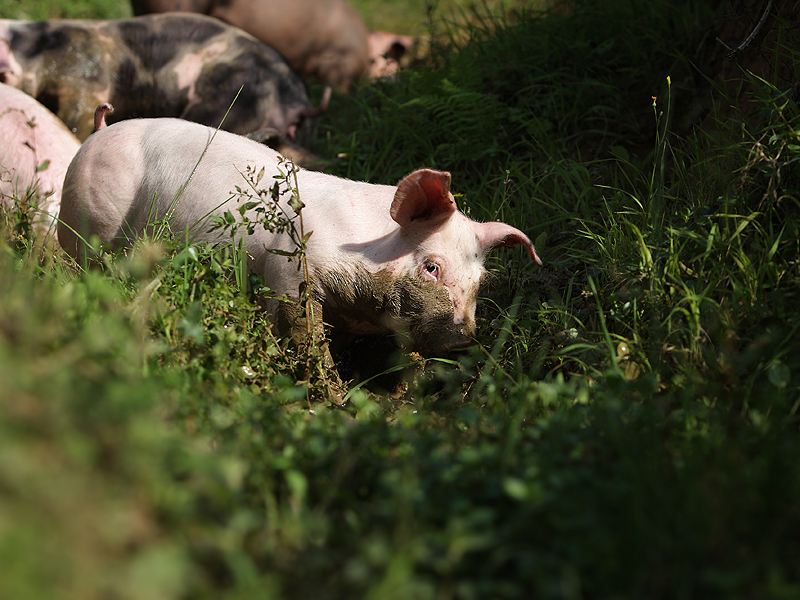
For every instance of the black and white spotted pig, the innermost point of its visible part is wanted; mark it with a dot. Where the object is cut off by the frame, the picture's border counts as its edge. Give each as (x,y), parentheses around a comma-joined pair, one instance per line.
(168,65)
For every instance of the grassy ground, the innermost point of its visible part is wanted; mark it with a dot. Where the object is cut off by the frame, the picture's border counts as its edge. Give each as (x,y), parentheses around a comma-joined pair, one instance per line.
(64,9)
(625,428)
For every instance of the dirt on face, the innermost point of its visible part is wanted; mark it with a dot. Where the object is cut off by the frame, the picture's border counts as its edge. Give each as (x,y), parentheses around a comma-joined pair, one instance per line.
(364,303)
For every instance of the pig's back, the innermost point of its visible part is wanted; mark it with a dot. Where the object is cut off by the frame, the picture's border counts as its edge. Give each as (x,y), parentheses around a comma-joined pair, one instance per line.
(127,176)
(33,138)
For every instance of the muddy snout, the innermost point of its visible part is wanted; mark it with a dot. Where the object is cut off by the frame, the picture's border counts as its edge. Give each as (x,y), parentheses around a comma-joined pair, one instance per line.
(439,336)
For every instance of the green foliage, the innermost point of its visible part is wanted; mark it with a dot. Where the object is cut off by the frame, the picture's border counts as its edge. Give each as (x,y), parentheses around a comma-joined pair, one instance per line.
(36,10)
(626,425)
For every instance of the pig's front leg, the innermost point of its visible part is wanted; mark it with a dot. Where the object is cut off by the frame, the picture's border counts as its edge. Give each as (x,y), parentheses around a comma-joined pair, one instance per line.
(292,321)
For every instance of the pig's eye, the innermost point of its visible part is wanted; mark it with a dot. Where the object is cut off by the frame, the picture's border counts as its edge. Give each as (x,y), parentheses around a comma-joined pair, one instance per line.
(432,270)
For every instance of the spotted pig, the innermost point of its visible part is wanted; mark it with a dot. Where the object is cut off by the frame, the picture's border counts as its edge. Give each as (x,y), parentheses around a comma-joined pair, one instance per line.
(178,65)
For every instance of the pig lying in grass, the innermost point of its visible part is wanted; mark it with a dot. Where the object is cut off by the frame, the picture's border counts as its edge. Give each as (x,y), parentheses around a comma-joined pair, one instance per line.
(35,151)
(381,258)
(168,65)
(326,39)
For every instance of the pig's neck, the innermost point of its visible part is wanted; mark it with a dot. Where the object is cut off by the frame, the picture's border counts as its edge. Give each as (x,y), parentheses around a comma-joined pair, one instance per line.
(363,303)
(351,222)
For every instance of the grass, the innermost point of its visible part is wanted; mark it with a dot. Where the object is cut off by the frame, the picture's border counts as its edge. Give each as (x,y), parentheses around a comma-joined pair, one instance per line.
(63,9)
(626,426)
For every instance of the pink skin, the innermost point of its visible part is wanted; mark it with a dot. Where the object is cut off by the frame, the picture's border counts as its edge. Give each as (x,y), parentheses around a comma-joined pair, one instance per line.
(425,209)
(33,137)
(368,234)
(326,39)
(100,116)
(385,51)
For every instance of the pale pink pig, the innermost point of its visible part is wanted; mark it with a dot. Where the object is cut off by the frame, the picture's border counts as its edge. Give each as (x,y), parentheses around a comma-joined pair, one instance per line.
(382,258)
(35,152)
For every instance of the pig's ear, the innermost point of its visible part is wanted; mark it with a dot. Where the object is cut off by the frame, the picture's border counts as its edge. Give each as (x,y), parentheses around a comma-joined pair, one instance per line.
(499,235)
(425,194)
